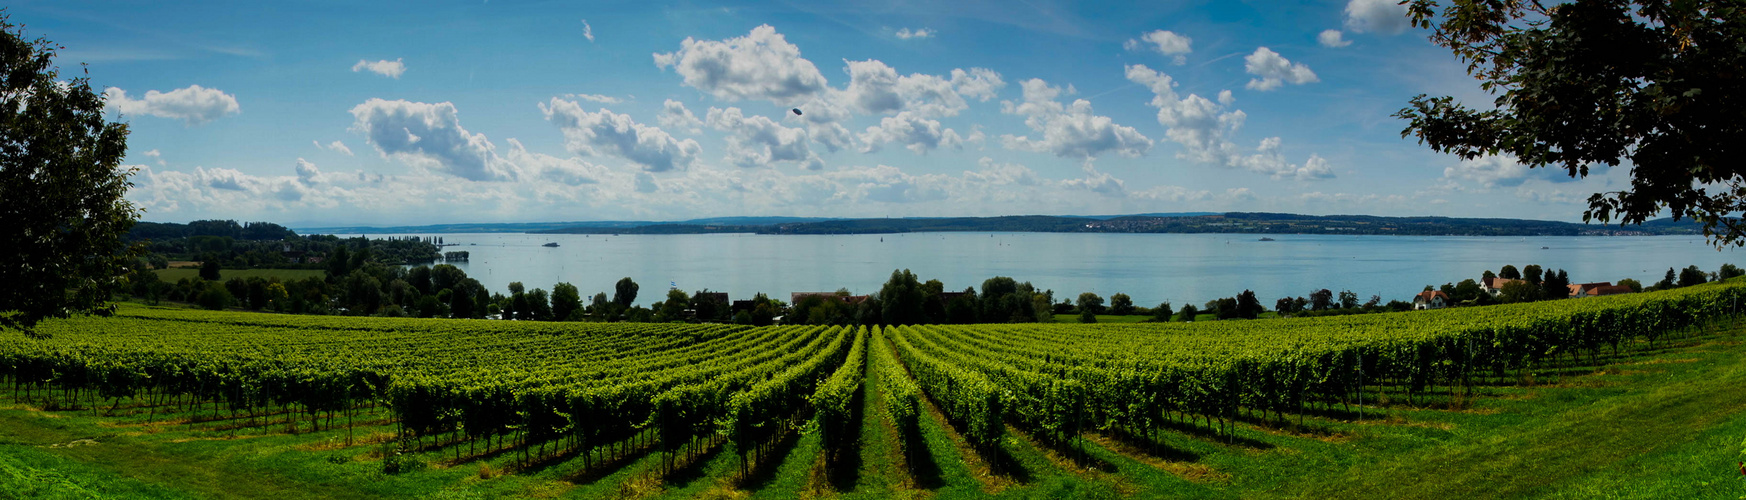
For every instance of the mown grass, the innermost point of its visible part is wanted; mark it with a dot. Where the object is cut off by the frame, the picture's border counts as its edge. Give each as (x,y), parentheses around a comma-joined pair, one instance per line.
(1663,423)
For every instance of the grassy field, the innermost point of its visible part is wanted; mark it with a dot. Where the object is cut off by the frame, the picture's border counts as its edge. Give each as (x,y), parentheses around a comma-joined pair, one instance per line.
(1667,422)
(175,274)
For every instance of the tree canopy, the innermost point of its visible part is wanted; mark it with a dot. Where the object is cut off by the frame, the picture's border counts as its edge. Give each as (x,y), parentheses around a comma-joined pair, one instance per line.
(1655,83)
(61,189)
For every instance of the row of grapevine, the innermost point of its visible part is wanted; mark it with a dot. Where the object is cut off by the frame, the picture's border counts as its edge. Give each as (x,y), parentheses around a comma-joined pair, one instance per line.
(834,402)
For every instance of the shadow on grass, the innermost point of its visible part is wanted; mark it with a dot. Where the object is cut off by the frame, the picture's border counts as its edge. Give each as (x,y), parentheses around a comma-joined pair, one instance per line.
(764,470)
(597,470)
(920,460)
(693,470)
(1213,435)
(844,465)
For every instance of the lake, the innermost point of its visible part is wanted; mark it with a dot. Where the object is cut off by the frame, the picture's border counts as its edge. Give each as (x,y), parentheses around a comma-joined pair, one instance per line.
(1151,268)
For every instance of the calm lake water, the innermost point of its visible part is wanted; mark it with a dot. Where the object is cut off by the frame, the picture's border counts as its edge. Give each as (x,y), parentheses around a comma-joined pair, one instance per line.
(1151,268)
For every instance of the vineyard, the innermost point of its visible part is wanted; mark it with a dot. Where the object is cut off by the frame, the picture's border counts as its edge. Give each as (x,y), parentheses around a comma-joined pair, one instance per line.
(668,400)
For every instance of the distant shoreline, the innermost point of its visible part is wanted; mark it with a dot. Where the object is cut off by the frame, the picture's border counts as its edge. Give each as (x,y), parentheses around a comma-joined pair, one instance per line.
(1184,223)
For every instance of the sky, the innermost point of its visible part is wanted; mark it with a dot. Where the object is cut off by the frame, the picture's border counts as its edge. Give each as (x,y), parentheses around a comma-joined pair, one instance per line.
(330,113)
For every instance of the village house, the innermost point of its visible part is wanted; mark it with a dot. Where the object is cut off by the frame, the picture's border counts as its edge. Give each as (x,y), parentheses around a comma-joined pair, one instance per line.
(1597,289)
(1494,285)
(1430,299)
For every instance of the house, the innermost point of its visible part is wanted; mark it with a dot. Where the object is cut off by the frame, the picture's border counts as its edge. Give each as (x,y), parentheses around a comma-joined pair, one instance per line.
(1494,285)
(1430,299)
(717,297)
(796,297)
(1597,289)
(743,305)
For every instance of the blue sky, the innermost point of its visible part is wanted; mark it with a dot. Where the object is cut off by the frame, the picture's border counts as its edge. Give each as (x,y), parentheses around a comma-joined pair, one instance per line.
(502,111)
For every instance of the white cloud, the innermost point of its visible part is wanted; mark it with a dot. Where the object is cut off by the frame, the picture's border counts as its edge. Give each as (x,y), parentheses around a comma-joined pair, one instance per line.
(979,83)
(587,31)
(1333,39)
(759,66)
(758,141)
(390,69)
(1274,70)
(193,104)
(876,88)
(911,130)
(600,98)
(1165,42)
(1069,131)
(609,133)
(568,171)
(1376,16)
(335,146)
(429,136)
(1204,129)
(1489,171)
(675,116)
(906,34)
(155,155)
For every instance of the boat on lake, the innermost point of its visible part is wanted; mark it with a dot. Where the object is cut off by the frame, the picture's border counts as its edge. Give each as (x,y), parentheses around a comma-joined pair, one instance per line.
(551,245)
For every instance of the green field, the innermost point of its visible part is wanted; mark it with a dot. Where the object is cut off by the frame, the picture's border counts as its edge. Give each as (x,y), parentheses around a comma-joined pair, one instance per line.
(1635,396)
(176,274)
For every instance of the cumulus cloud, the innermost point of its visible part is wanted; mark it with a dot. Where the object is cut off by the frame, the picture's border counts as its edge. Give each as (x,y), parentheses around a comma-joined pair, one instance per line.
(1204,129)
(876,88)
(155,155)
(1164,42)
(429,136)
(1275,70)
(675,116)
(1489,171)
(1069,130)
(568,171)
(906,34)
(757,141)
(609,133)
(390,69)
(587,31)
(335,146)
(759,66)
(978,83)
(912,131)
(1333,39)
(1376,16)
(193,104)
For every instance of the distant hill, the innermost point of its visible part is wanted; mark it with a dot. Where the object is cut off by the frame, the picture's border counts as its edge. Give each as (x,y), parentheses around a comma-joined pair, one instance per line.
(1191,222)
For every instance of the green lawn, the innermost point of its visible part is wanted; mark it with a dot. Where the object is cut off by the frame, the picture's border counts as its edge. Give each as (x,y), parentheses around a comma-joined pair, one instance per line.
(176,274)
(1663,423)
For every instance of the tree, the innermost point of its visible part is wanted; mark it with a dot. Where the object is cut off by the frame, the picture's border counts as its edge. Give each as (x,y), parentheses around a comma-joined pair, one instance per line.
(1249,307)
(566,302)
(1532,274)
(1348,299)
(1188,313)
(1636,286)
(625,293)
(61,190)
(1089,302)
(215,296)
(673,309)
(1509,272)
(1654,83)
(1161,314)
(1556,285)
(1321,299)
(539,305)
(601,308)
(1692,276)
(1120,304)
(1728,271)
(1466,290)
(1668,281)
(1286,306)
(900,300)
(1488,275)
(209,270)
(707,306)
(1519,291)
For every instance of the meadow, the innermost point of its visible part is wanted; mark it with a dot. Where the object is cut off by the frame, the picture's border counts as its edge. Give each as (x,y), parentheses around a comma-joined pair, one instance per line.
(1633,396)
